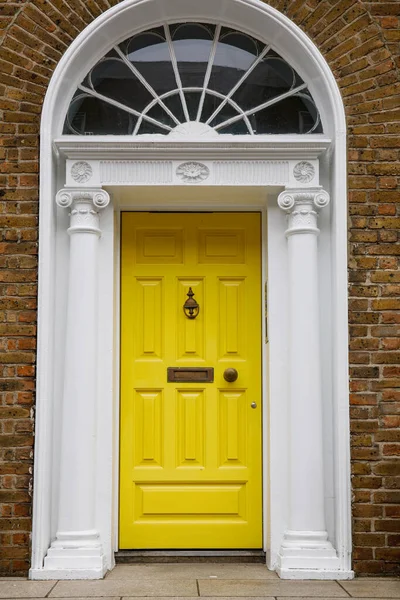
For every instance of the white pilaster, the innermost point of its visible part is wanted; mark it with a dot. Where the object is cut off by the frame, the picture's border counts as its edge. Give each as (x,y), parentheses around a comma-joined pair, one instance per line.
(305,551)
(76,553)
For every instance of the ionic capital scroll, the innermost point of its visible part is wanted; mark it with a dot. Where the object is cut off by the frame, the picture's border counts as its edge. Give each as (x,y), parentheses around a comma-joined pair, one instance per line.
(85,206)
(302,207)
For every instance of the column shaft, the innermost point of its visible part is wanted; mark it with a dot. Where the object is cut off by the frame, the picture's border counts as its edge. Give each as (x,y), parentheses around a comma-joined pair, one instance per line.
(79,406)
(305,549)
(77,552)
(306,493)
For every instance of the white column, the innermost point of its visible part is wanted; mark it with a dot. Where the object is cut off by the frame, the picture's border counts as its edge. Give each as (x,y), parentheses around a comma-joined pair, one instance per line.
(77,552)
(305,551)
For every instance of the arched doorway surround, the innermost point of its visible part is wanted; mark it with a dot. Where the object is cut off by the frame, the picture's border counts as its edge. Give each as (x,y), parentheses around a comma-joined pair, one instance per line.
(306,435)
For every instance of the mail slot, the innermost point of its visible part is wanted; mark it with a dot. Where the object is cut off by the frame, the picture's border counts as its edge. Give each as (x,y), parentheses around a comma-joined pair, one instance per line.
(190,374)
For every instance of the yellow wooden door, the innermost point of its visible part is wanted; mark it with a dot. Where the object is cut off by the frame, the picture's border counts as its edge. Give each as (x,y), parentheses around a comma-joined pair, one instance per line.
(190,466)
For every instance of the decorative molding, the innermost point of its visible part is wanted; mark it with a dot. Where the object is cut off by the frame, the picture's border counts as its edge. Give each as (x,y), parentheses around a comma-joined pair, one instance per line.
(85,205)
(158,148)
(65,197)
(162,172)
(304,172)
(193,129)
(136,172)
(81,171)
(192,172)
(321,199)
(302,207)
(245,172)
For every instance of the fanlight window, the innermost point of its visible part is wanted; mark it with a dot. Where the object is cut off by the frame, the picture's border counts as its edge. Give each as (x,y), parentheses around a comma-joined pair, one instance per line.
(208,76)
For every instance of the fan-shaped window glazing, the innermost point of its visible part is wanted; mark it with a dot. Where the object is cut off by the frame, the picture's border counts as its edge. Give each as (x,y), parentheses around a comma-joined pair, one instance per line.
(159,79)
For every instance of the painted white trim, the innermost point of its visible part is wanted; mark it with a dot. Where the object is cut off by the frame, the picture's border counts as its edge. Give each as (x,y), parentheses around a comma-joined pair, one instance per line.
(117,378)
(145,147)
(264,22)
(265,377)
(233,207)
(113,172)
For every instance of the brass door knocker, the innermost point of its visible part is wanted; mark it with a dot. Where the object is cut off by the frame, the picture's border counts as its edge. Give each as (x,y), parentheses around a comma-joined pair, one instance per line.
(191,308)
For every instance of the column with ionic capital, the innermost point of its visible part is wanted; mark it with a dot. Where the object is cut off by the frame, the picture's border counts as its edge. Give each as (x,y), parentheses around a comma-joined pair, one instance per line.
(77,547)
(305,548)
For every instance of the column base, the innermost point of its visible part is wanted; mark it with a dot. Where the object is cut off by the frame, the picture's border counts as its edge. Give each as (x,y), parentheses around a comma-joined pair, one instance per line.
(309,551)
(74,555)
(320,575)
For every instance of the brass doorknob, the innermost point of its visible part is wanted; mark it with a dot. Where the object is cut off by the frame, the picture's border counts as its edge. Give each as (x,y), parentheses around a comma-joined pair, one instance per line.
(230,375)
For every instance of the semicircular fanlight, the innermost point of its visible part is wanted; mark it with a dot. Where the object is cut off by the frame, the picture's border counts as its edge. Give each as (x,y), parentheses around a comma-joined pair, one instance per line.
(191,73)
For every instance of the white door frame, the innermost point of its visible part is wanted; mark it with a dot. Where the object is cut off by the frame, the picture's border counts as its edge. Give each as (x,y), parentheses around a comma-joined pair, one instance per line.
(121,163)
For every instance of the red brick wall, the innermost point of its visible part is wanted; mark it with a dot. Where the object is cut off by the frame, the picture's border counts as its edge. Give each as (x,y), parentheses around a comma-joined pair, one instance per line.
(360,41)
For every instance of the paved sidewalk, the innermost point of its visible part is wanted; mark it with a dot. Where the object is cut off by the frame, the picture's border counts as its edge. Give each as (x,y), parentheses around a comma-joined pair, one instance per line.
(212,581)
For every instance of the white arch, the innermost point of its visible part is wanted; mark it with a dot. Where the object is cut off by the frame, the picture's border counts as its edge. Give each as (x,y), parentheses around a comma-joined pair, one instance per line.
(260,20)
(251,16)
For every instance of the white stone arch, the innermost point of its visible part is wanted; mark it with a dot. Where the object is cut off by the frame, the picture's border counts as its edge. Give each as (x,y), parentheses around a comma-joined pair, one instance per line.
(261,21)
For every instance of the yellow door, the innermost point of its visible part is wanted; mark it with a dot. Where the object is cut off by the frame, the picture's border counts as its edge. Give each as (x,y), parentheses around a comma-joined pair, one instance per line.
(190,467)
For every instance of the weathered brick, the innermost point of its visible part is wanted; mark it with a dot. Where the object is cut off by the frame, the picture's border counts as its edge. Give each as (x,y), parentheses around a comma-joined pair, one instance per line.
(369,539)
(392,525)
(367,482)
(391,449)
(392,511)
(386,497)
(367,510)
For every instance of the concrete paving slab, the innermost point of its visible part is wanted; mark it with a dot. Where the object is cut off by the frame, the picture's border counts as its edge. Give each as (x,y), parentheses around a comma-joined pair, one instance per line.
(25,588)
(192,571)
(243,588)
(115,587)
(208,598)
(379,587)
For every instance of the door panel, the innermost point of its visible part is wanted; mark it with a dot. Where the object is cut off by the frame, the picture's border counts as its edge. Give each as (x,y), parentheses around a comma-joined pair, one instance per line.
(190,467)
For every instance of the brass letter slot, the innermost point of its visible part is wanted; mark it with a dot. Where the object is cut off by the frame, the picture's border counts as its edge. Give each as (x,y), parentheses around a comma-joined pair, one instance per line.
(191,374)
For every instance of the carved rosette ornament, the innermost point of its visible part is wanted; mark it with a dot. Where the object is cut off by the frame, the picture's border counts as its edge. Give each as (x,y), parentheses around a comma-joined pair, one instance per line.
(85,206)
(302,207)
(81,171)
(192,172)
(304,172)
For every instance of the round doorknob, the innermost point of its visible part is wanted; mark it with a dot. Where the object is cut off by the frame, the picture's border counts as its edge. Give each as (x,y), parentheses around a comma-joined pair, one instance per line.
(230,375)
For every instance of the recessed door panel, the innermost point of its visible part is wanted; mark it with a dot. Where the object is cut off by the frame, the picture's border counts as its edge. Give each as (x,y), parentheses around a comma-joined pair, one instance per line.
(190,332)
(159,246)
(190,473)
(222,246)
(149,326)
(232,316)
(190,427)
(232,428)
(148,429)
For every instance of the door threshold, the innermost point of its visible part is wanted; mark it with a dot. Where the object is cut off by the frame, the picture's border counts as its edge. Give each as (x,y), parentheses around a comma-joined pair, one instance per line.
(189,556)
